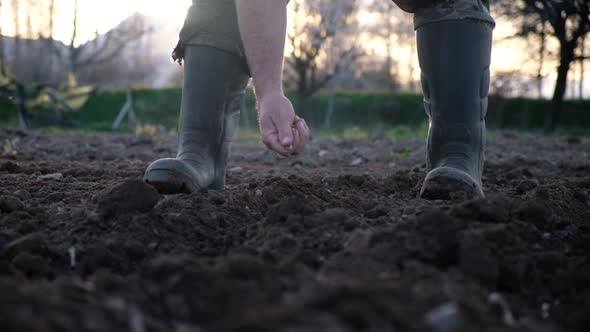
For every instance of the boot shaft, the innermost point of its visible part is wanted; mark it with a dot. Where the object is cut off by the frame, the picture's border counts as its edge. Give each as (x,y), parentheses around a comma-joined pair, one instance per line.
(214,84)
(455,58)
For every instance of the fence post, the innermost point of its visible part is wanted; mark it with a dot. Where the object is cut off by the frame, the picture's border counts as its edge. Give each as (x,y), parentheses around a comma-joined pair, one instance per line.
(127,109)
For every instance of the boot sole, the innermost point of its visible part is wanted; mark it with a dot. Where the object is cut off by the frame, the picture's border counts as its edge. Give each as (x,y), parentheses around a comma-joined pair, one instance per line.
(169,182)
(446,183)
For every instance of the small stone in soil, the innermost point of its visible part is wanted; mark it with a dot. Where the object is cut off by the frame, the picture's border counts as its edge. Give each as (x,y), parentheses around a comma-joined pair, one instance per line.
(356,162)
(499,304)
(444,318)
(53,177)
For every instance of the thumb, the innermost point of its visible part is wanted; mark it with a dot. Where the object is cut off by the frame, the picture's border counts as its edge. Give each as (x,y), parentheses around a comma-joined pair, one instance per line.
(285,132)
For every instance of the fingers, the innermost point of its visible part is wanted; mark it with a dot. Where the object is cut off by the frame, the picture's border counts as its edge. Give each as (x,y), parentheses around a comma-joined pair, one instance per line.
(299,134)
(303,135)
(284,125)
(272,142)
(282,131)
(296,141)
(270,135)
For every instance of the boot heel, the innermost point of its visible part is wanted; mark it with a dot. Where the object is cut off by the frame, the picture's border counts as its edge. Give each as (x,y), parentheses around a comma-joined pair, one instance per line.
(230,125)
(218,183)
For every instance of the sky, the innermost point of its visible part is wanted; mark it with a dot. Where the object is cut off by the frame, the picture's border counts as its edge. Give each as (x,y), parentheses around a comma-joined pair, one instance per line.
(106,14)
(102,15)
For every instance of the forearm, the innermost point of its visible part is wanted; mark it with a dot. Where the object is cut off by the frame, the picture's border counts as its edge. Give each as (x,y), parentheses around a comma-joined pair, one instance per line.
(263,26)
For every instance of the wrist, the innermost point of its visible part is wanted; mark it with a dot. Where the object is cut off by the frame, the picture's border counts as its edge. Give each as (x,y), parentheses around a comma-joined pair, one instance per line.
(269,93)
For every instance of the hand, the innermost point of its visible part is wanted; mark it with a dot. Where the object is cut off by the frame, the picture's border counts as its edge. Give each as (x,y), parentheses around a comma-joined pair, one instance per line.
(282,131)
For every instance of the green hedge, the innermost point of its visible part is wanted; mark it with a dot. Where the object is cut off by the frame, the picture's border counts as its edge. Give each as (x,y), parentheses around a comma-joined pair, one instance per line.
(365,109)
(530,113)
(158,107)
(362,109)
(7,111)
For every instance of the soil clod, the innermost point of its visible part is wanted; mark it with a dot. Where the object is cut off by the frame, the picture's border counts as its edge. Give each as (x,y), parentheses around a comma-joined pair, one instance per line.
(127,197)
(10,203)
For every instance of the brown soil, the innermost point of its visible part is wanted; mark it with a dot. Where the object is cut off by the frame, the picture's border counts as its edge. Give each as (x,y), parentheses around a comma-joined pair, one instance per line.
(306,244)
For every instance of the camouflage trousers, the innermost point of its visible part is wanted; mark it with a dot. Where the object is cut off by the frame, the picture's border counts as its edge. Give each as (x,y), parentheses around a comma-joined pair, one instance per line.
(214,23)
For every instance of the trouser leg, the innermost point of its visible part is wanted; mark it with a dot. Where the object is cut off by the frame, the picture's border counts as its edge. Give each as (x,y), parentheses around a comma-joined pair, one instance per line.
(431,11)
(212,23)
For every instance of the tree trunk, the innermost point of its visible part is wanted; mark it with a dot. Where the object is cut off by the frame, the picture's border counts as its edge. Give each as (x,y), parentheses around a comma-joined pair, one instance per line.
(330,111)
(412,69)
(553,113)
(21,100)
(17,36)
(73,56)
(542,49)
(1,36)
(302,101)
(582,67)
(49,45)
(302,87)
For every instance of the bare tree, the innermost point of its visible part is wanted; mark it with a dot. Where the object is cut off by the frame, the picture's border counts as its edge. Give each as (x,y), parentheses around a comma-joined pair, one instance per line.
(582,67)
(30,83)
(16,23)
(49,40)
(569,22)
(395,28)
(384,29)
(51,14)
(104,47)
(322,44)
(542,52)
(1,33)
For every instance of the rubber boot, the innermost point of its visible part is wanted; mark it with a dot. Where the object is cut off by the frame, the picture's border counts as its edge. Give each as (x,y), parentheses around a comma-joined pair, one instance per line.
(455,60)
(214,85)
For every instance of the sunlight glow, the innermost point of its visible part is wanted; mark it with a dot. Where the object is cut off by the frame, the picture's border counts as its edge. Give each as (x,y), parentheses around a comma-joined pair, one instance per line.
(97,16)
(509,55)
(106,14)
